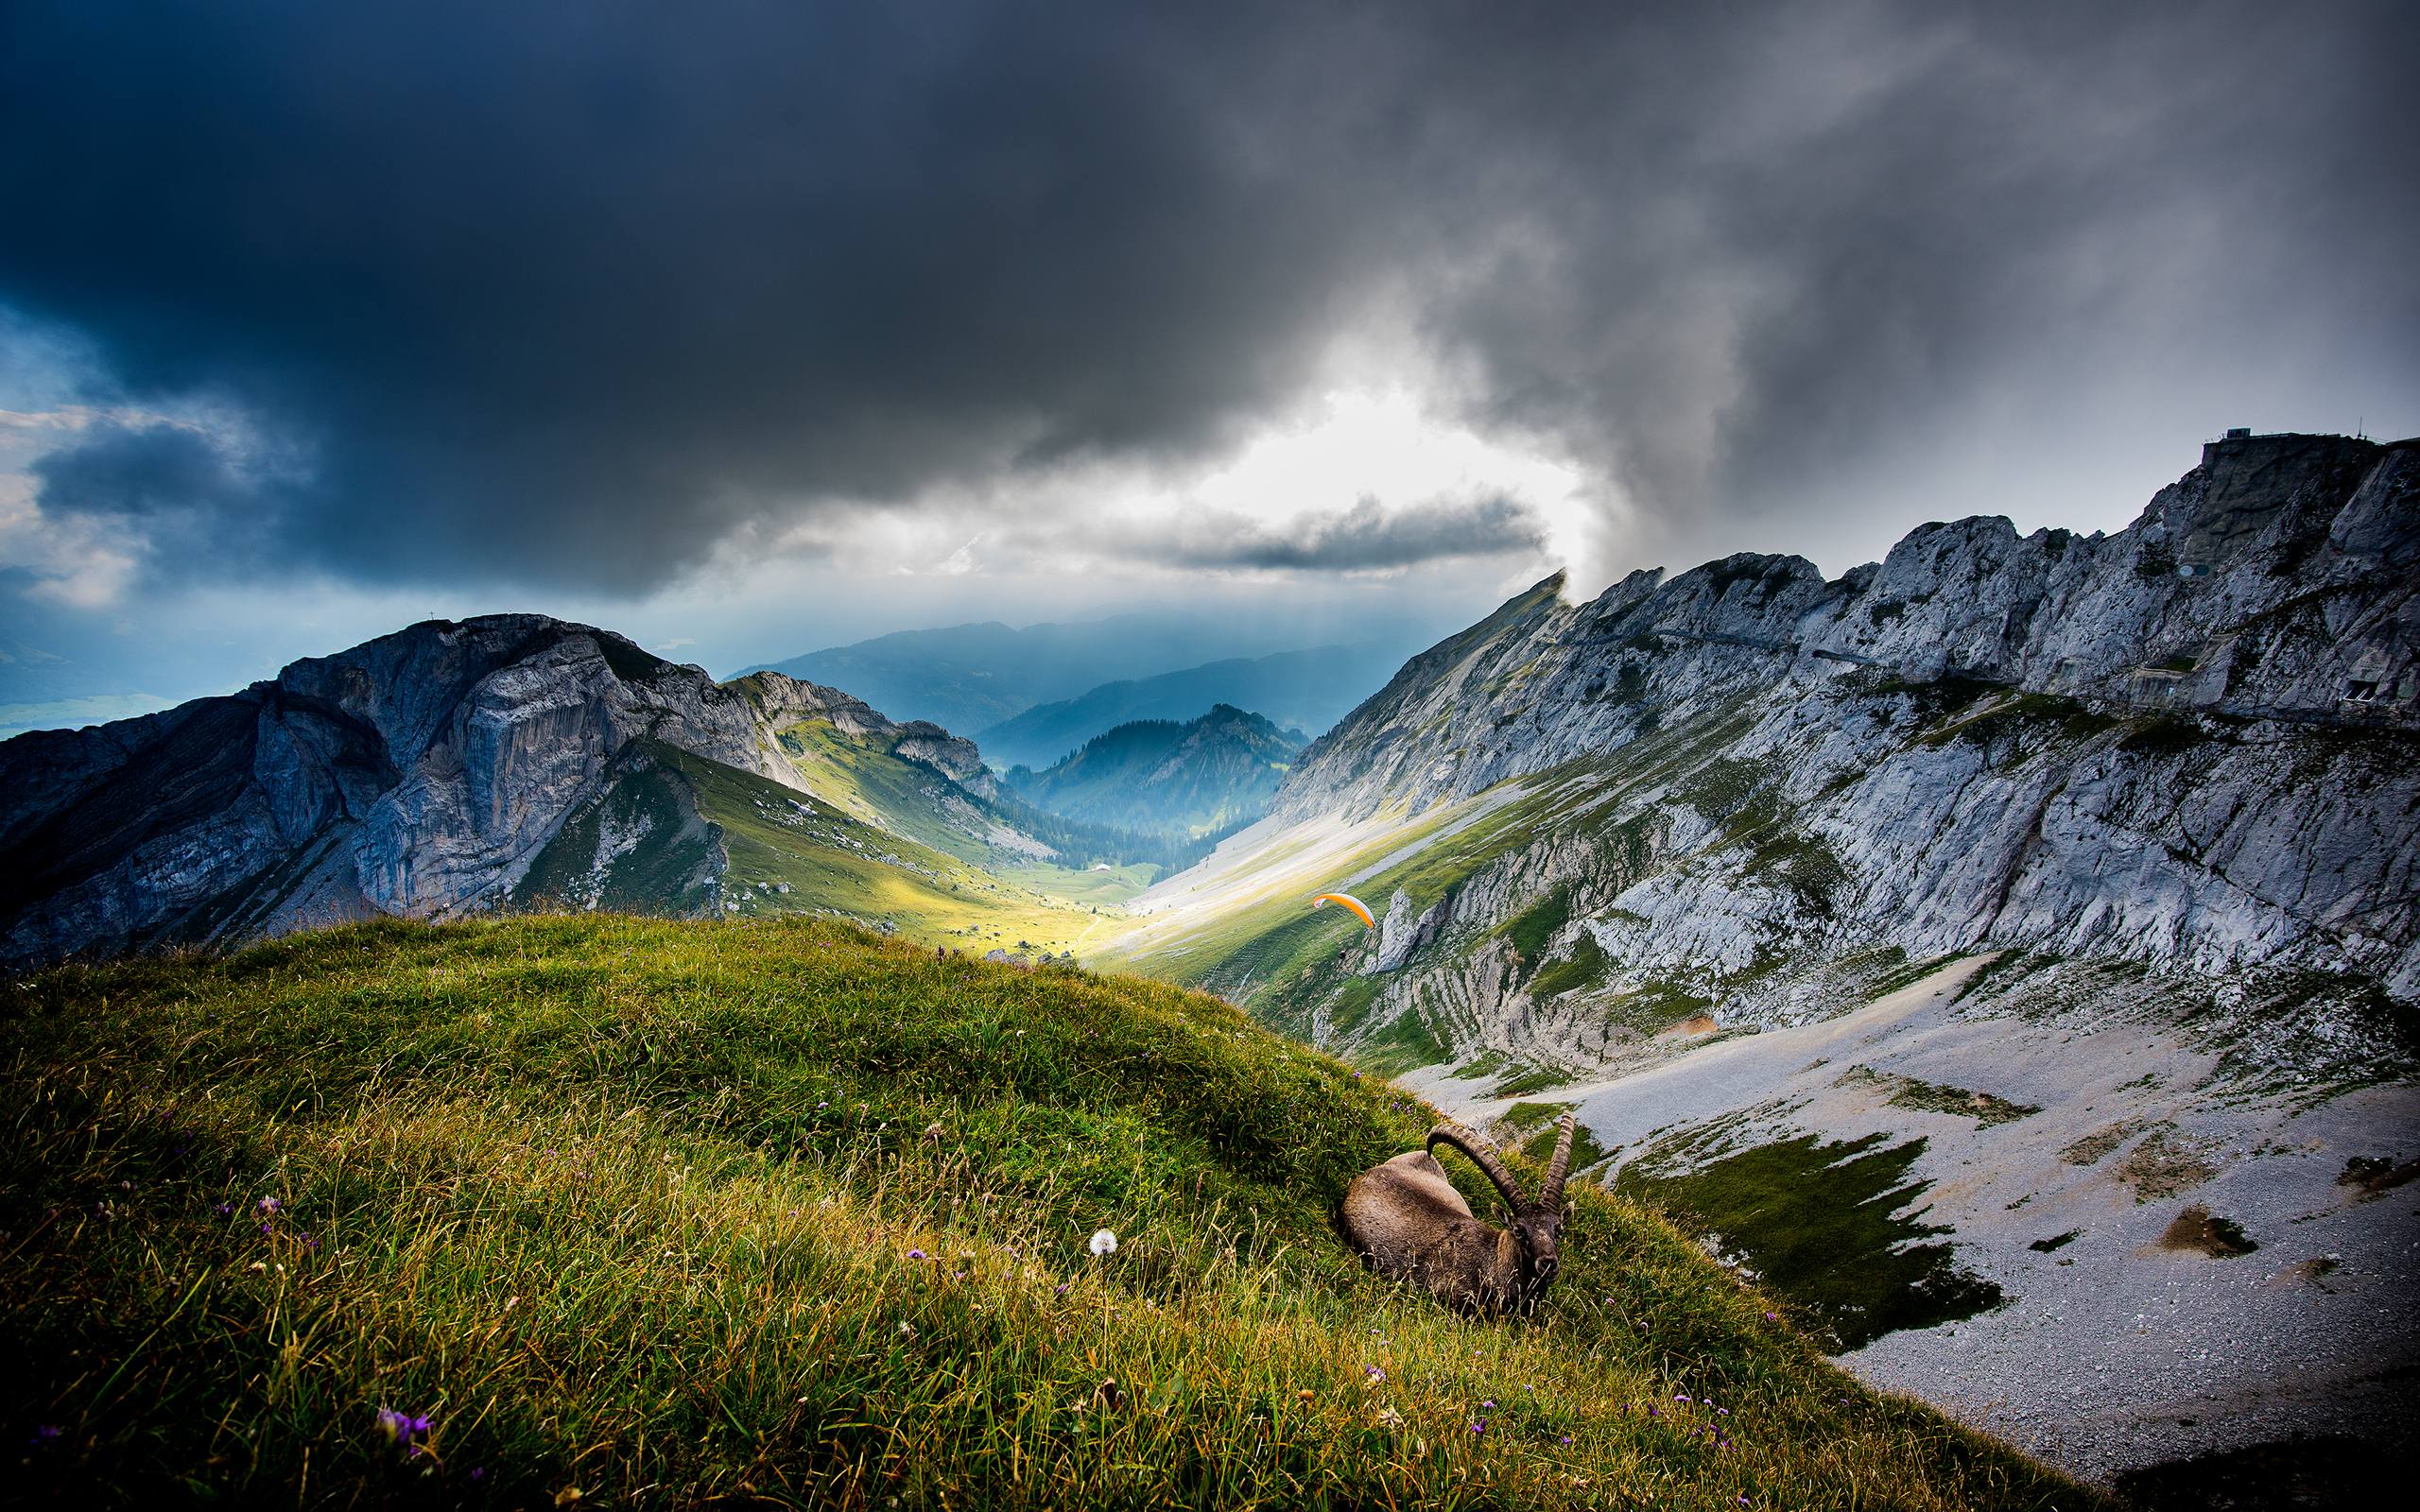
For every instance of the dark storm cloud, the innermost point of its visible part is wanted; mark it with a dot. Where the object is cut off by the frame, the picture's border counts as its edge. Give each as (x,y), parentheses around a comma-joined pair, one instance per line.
(1360,538)
(566,293)
(200,508)
(138,470)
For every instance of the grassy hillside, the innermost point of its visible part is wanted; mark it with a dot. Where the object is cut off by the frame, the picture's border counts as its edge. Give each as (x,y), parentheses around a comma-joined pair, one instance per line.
(668,1212)
(682,835)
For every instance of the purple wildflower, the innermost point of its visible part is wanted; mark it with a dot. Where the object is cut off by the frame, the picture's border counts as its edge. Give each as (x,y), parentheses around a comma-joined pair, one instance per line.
(1567,1440)
(1478,1425)
(1488,1403)
(478,1472)
(402,1429)
(45,1436)
(915,1254)
(270,1204)
(224,1209)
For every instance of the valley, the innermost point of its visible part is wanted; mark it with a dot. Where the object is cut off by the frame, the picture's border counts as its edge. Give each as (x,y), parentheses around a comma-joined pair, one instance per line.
(2047,903)
(1349,757)
(2003,953)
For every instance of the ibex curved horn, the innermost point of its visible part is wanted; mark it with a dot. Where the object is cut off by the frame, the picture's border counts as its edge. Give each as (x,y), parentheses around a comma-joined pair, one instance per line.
(1480,1155)
(1407,1221)
(1551,1193)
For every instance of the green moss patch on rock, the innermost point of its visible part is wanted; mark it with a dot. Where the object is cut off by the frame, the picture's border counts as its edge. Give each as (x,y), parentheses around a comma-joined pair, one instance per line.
(1821,1223)
(1936,1097)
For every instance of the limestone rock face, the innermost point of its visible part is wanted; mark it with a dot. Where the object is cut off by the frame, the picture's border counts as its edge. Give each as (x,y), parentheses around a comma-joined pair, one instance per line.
(416,773)
(2194,745)
(1403,930)
(2274,582)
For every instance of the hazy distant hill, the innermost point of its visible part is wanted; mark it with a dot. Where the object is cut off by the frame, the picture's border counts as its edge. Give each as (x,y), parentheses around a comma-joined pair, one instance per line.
(1307,690)
(1193,777)
(965,676)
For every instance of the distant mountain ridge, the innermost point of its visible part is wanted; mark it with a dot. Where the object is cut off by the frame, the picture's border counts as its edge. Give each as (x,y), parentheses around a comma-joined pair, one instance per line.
(1308,690)
(969,677)
(509,761)
(1194,778)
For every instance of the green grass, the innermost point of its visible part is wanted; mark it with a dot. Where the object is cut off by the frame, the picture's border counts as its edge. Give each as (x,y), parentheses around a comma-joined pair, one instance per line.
(1531,929)
(1409,1042)
(1585,969)
(1532,1123)
(1654,1006)
(1350,1008)
(1985,1109)
(635,1207)
(1822,1225)
(929,895)
(703,838)
(1527,1079)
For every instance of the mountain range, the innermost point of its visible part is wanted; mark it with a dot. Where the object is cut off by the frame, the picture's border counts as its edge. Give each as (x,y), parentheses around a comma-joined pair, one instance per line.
(975,678)
(1195,776)
(1307,690)
(2007,948)
(2045,904)
(509,762)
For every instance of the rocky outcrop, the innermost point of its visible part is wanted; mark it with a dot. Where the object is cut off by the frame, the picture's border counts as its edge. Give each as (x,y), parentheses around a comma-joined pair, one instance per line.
(1405,928)
(782,700)
(417,774)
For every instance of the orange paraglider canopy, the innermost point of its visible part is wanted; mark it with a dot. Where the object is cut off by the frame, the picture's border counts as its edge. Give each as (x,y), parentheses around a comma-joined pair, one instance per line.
(1349,903)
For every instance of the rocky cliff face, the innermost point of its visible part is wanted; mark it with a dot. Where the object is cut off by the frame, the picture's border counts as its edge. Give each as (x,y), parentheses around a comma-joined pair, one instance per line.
(2274,581)
(417,774)
(2191,744)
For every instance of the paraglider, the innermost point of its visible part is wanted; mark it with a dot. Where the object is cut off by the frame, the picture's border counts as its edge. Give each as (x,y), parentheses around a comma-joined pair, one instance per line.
(1349,903)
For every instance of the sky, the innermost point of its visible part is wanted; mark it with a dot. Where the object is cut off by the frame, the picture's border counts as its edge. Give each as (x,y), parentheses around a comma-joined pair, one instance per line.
(754,328)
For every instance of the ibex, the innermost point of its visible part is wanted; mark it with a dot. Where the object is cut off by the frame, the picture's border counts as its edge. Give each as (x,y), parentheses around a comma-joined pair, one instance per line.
(1407,1221)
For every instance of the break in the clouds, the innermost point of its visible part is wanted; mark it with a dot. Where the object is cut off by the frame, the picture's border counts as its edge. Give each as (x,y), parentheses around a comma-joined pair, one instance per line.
(580,295)
(1360,538)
